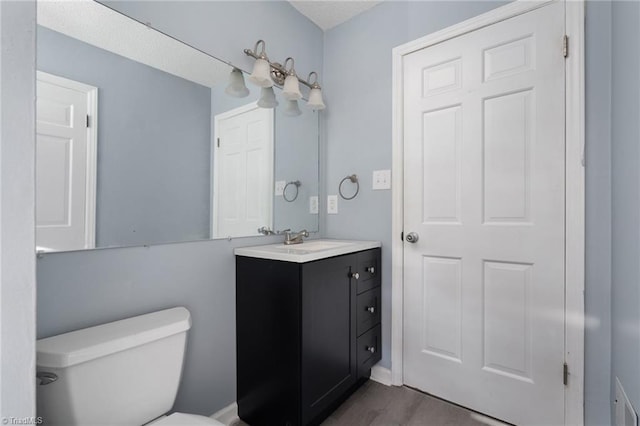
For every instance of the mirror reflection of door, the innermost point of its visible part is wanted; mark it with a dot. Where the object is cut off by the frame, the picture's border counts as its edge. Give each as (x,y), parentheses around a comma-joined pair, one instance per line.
(242,171)
(65,164)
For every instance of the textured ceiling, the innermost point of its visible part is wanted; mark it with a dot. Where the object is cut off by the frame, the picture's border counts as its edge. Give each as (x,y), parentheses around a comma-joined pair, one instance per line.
(329,13)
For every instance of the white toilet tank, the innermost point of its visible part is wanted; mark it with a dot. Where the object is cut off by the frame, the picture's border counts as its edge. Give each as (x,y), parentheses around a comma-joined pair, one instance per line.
(122,373)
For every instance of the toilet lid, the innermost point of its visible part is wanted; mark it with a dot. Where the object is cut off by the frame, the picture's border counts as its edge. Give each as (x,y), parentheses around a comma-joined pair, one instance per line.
(182,419)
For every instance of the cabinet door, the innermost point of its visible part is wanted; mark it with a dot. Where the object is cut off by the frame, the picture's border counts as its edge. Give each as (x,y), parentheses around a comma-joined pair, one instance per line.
(329,366)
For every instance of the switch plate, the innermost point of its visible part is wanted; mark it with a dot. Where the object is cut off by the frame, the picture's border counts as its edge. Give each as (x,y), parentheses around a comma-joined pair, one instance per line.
(381,179)
(332,204)
(279,190)
(313,204)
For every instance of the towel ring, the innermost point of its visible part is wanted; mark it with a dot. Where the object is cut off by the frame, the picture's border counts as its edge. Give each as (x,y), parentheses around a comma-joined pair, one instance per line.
(284,191)
(353,179)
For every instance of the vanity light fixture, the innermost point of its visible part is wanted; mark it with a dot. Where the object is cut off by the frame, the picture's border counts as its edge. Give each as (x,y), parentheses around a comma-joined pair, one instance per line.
(315,95)
(261,74)
(267,98)
(266,73)
(236,87)
(291,89)
(291,109)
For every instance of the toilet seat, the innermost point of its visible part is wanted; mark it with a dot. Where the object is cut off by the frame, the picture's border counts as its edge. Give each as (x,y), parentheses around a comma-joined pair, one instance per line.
(182,419)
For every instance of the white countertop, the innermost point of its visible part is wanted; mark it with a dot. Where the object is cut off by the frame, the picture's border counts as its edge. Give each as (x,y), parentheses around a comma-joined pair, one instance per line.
(308,251)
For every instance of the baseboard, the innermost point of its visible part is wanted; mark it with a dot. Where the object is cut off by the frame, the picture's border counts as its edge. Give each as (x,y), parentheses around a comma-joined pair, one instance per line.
(227,415)
(381,375)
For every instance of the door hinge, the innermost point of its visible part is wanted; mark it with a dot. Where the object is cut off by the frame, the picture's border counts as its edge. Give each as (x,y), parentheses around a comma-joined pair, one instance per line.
(88,121)
(565,374)
(218,142)
(565,46)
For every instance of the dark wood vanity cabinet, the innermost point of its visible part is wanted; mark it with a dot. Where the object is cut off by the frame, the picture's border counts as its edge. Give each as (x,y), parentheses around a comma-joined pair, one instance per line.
(307,335)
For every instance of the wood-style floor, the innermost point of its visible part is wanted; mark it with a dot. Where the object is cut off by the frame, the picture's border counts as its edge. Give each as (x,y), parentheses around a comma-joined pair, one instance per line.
(378,405)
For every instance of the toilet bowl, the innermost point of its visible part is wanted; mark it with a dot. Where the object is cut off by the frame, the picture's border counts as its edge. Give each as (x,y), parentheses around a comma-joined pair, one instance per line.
(125,372)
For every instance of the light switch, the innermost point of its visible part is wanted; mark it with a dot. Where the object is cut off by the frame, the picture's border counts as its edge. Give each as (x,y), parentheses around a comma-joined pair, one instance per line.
(313,204)
(332,204)
(279,190)
(381,179)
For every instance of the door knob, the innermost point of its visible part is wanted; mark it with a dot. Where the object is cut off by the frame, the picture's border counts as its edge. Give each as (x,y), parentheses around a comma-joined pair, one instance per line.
(355,275)
(412,237)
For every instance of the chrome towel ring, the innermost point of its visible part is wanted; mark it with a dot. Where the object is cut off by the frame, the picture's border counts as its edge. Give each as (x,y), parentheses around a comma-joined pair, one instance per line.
(284,191)
(353,179)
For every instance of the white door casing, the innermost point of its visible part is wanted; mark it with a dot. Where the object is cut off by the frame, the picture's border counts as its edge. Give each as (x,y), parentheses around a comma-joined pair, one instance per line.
(460,88)
(66,157)
(242,150)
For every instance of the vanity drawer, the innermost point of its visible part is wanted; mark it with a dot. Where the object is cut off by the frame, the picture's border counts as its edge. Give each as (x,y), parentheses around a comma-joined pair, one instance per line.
(369,350)
(368,310)
(368,270)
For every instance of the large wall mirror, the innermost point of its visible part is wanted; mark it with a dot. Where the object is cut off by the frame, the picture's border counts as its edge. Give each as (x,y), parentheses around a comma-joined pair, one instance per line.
(138,143)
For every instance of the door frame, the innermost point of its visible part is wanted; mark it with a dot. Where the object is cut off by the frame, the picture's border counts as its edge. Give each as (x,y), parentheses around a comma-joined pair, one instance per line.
(574,189)
(92,149)
(213,196)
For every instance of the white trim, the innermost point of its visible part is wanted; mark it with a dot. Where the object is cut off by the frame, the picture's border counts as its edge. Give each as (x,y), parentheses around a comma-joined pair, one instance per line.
(381,375)
(214,163)
(227,415)
(92,150)
(575,212)
(575,190)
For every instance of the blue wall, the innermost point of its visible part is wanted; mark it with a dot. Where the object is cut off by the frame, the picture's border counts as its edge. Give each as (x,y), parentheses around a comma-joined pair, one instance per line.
(625,126)
(598,214)
(153,144)
(79,289)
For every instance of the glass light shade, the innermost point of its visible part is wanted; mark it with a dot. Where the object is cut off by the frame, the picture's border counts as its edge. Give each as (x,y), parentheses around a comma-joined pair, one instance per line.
(236,87)
(315,99)
(291,89)
(261,75)
(267,98)
(292,109)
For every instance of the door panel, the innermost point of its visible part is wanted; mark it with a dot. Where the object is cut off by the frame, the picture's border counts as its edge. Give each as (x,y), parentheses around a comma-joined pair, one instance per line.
(62,165)
(328,333)
(484,189)
(243,181)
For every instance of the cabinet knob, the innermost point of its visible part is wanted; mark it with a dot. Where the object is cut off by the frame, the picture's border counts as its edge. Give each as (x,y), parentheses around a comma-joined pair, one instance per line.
(371,309)
(371,269)
(371,349)
(355,275)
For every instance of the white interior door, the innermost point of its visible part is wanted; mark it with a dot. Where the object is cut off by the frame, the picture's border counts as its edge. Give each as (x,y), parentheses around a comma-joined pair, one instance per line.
(65,164)
(484,189)
(242,171)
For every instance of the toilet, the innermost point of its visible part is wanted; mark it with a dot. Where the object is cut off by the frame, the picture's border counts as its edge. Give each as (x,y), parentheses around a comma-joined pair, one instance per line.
(125,372)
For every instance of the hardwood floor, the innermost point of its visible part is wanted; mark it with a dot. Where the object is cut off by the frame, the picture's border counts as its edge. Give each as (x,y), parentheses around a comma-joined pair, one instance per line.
(378,405)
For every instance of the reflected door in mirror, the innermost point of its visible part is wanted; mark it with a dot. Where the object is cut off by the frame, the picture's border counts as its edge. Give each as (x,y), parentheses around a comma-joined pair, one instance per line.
(242,171)
(65,171)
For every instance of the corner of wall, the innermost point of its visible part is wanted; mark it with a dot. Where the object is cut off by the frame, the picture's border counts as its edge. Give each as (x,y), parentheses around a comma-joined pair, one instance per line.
(17,215)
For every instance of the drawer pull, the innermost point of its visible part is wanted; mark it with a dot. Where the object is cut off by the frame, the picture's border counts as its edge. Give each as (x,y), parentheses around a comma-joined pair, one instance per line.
(370,269)
(371,349)
(355,275)
(371,309)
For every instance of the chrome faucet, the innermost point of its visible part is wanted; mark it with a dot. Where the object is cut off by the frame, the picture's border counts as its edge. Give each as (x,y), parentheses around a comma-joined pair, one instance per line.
(265,230)
(295,237)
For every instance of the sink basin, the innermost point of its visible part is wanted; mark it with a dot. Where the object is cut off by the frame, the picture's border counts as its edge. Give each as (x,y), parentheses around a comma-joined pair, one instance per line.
(308,251)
